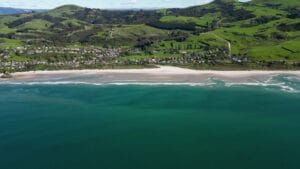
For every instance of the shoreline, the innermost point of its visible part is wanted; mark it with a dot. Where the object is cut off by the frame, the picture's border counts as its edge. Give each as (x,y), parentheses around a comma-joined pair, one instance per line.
(160,69)
(160,74)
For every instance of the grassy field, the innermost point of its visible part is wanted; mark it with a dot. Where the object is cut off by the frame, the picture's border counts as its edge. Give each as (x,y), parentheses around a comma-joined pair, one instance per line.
(72,22)
(127,35)
(136,31)
(288,50)
(18,58)
(36,24)
(200,21)
(3,27)
(10,43)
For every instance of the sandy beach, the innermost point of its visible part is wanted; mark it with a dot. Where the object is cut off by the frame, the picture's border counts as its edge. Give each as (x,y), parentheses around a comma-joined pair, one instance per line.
(160,74)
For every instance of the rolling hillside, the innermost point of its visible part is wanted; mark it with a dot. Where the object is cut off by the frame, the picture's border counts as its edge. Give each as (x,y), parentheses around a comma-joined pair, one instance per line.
(256,34)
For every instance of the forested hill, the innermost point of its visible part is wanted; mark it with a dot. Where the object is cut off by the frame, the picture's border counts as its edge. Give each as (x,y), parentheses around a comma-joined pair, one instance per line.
(259,32)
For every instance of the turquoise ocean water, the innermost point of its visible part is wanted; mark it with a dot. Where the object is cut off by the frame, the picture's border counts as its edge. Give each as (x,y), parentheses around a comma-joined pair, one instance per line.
(89,126)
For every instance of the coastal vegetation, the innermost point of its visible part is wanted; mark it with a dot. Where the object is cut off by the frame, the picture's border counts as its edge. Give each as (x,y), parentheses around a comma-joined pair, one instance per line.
(223,34)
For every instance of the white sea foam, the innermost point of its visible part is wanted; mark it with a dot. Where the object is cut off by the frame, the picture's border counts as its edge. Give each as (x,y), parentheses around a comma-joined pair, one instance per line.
(293,78)
(281,86)
(101,84)
(284,83)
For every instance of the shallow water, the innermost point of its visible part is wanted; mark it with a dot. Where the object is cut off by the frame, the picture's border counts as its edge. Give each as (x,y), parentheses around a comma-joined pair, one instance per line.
(217,124)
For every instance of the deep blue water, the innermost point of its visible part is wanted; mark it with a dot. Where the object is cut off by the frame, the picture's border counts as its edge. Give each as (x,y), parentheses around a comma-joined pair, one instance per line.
(149,127)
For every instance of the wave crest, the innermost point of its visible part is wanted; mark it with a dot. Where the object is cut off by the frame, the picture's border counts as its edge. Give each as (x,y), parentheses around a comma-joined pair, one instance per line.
(284,83)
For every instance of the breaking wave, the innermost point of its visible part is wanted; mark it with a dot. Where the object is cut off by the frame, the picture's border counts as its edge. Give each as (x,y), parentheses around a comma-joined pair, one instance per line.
(284,83)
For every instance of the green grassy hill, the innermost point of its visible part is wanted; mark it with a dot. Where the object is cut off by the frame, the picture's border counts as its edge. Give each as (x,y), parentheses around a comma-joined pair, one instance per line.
(221,31)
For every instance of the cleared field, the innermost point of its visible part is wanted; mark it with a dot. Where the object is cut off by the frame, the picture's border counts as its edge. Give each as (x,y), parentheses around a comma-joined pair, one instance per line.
(200,21)
(37,24)
(10,43)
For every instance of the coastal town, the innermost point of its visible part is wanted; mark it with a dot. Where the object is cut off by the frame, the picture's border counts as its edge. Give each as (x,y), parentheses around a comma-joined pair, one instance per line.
(12,59)
(27,58)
